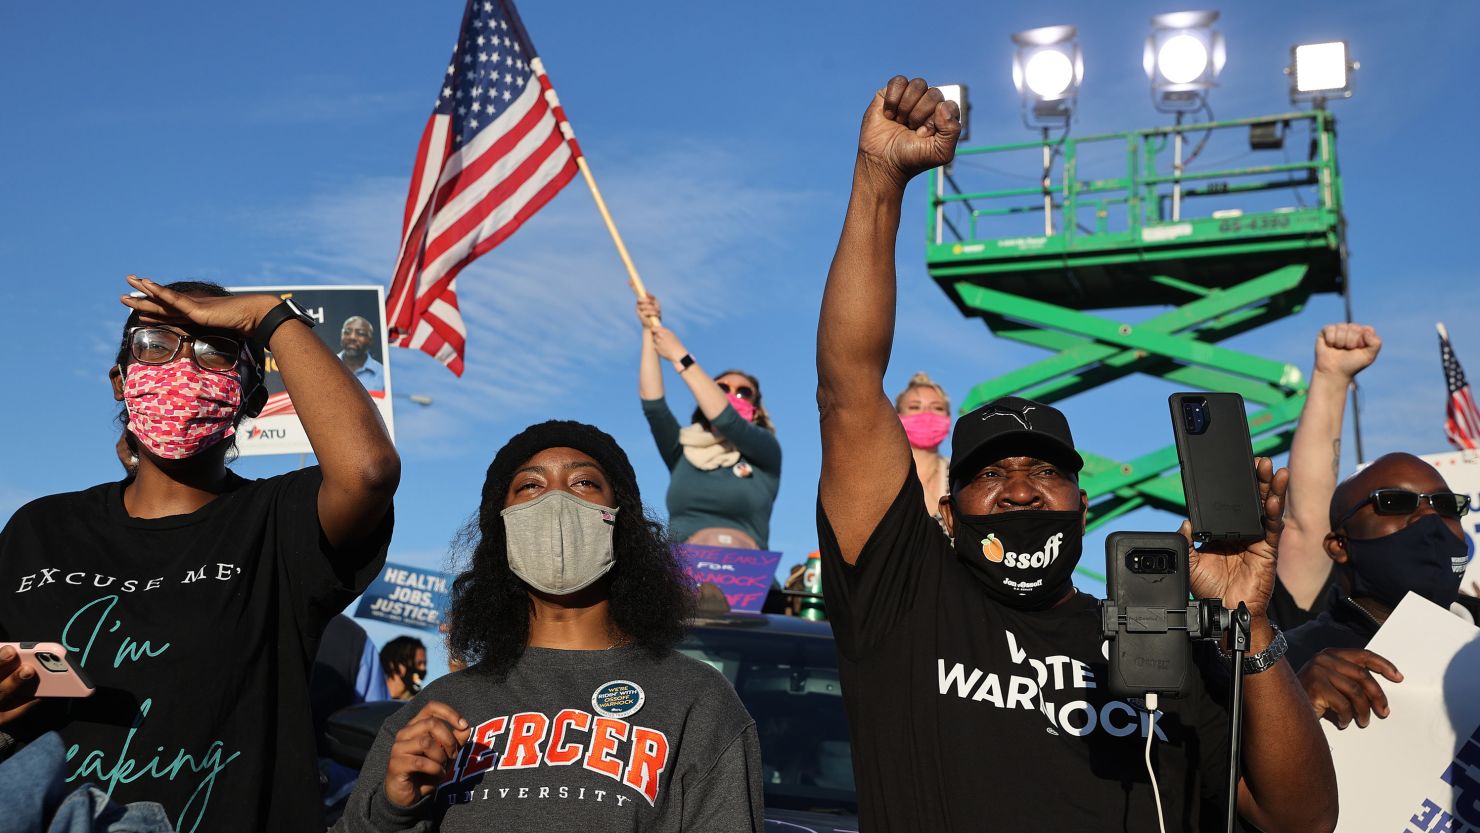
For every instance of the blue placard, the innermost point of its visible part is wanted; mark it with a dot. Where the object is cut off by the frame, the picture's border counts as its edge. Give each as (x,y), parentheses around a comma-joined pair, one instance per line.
(409,596)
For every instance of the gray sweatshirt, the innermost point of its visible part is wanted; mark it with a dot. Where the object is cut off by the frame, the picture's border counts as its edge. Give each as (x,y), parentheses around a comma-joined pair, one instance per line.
(581,741)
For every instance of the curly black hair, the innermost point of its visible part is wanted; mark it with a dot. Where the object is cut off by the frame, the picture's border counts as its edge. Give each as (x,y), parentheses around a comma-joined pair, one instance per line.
(249,381)
(651,597)
(400,654)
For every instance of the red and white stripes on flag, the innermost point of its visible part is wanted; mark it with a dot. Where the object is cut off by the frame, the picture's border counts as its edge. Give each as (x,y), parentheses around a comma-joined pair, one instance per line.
(1461,418)
(495,150)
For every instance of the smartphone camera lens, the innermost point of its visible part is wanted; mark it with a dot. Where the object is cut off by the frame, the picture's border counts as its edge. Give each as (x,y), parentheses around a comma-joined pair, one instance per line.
(50,661)
(1195,415)
(1151,562)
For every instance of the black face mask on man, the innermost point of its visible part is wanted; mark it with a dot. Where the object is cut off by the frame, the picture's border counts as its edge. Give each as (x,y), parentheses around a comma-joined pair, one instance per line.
(1425,557)
(1025,558)
(411,681)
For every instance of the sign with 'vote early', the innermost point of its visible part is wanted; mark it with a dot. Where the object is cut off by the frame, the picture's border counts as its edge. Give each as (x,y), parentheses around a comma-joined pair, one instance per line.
(412,597)
(744,576)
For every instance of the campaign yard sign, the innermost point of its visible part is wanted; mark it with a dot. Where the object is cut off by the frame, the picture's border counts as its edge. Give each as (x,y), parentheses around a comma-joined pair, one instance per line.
(412,597)
(1418,770)
(744,576)
(351,323)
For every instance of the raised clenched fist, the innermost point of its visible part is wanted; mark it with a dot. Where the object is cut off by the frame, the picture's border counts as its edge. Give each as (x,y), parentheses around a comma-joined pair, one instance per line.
(909,127)
(1346,349)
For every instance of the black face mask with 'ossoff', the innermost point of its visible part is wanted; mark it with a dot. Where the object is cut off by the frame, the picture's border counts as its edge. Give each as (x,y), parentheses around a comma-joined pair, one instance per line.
(1025,558)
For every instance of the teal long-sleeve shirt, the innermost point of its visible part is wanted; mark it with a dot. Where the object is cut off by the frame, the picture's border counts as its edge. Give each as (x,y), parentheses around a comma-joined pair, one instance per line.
(699,499)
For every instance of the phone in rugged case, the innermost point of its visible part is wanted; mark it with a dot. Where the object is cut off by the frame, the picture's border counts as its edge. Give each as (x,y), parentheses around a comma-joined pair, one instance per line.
(1218,480)
(58,675)
(1145,577)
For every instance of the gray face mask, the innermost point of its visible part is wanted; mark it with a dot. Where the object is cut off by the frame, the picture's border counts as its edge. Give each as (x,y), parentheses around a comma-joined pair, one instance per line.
(559,543)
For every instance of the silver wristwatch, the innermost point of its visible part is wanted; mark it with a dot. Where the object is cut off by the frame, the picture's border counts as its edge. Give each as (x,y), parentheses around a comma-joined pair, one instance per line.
(1265,659)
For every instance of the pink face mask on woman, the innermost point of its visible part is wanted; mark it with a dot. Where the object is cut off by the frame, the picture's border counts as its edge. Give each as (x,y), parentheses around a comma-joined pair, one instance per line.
(742,407)
(926,429)
(178,410)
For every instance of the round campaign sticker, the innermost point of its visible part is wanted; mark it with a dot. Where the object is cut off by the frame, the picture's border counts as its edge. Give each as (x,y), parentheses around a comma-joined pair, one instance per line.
(618,698)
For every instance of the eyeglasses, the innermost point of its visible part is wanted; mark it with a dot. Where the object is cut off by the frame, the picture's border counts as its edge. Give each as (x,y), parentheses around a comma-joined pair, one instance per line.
(1404,502)
(745,392)
(156,345)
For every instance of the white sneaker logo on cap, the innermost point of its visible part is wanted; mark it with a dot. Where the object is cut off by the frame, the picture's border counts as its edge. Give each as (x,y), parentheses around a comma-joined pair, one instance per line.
(1020,416)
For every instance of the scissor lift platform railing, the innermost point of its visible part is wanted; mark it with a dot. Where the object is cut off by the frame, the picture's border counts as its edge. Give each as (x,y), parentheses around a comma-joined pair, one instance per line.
(1112,270)
(1247,264)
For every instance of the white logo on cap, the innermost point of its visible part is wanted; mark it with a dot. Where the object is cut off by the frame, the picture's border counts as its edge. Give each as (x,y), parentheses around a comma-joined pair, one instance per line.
(1020,416)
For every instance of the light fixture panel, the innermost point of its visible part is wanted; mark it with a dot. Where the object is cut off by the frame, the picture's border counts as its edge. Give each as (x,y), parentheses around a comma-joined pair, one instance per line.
(1049,73)
(1320,67)
(1047,69)
(959,94)
(1183,57)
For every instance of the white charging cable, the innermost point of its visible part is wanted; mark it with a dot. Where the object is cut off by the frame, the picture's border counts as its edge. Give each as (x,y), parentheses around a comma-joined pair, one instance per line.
(1151,703)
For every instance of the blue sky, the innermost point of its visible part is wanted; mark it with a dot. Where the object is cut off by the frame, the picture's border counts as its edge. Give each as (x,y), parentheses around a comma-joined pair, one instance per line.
(271,143)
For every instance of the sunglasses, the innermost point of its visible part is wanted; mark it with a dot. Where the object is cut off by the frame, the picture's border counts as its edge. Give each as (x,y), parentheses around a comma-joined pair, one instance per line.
(1404,502)
(745,392)
(156,345)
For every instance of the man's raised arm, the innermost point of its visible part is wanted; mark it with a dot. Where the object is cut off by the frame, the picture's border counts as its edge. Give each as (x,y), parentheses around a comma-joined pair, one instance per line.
(908,128)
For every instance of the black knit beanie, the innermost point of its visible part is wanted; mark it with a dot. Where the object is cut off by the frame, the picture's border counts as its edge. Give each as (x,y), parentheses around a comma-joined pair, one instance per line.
(559,433)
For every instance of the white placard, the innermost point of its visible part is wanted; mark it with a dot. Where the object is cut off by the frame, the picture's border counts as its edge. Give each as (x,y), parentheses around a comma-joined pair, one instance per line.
(1461,470)
(277,430)
(1408,772)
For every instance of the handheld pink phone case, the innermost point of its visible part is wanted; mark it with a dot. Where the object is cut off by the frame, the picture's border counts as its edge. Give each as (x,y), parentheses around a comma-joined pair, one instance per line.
(59,675)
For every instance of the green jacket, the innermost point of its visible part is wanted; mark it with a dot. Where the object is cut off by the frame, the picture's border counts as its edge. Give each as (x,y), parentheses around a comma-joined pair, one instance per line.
(699,499)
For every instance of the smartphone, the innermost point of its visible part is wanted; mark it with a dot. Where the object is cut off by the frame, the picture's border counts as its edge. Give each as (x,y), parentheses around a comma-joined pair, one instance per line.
(59,676)
(1145,577)
(1217,456)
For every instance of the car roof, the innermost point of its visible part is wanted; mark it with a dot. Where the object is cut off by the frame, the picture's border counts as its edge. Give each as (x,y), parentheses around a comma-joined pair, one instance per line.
(762,623)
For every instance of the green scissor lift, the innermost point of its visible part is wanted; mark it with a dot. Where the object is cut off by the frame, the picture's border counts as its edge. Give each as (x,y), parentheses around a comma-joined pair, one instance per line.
(1132,241)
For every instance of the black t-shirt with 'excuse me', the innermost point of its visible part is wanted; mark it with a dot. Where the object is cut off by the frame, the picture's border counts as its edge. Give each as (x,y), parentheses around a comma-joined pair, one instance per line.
(198,631)
(967,715)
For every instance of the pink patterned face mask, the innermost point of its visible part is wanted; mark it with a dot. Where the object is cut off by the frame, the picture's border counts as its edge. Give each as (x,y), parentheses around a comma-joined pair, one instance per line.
(742,407)
(926,429)
(178,410)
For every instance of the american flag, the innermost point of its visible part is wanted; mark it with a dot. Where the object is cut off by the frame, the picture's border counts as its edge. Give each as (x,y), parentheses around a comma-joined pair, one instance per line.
(1461,419)
(495,150)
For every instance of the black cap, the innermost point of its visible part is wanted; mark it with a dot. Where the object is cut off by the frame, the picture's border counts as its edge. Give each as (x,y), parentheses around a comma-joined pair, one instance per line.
(1011,427)
(557,433)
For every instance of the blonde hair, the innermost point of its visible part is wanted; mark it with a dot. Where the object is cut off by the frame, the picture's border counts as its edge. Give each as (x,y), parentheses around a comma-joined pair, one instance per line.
(922,380)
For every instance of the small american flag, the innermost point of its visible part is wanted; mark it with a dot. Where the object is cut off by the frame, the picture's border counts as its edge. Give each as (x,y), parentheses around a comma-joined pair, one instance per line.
(495,150)
(1461,419)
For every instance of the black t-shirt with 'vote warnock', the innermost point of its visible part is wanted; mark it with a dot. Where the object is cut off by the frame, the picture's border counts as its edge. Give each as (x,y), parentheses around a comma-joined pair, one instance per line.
(967,715)
(198,631)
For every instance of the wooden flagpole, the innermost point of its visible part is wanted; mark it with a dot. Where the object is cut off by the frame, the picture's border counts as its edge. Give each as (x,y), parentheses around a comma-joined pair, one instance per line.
(606,216)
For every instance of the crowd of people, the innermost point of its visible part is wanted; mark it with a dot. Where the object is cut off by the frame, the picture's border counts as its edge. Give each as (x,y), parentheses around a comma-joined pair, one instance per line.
(204,608)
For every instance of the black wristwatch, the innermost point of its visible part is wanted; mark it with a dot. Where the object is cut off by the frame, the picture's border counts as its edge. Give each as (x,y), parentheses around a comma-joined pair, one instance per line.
(685,363)
(275,318)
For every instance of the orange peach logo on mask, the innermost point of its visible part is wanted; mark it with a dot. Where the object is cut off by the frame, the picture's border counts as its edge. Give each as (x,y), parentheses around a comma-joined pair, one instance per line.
(992,548)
